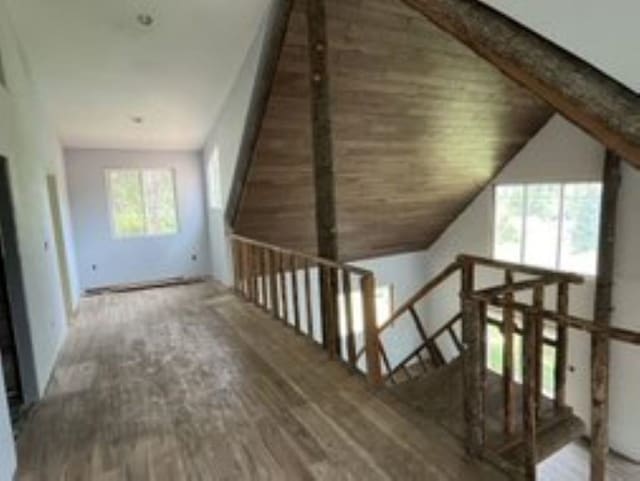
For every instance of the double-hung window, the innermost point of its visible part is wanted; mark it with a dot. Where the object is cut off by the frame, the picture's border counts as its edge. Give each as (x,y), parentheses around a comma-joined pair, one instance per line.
(548,225)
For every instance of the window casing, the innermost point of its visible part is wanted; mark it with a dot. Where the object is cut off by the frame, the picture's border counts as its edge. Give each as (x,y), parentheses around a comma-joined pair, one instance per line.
(550,225)
(142,202)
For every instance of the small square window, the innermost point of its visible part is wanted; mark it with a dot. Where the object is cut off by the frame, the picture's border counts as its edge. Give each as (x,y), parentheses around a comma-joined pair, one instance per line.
(143,202)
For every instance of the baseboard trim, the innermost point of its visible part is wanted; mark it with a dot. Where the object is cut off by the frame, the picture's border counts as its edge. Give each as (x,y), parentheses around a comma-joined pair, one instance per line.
(141,286)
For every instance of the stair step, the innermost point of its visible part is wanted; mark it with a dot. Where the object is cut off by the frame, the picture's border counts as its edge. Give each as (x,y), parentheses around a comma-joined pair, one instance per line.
(438,396)
(550,439)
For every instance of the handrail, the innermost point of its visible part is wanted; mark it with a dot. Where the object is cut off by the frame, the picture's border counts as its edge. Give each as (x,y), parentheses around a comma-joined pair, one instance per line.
(568,320)
(521,268)
(430,286)
(425,290)
(270,277)
(310,257)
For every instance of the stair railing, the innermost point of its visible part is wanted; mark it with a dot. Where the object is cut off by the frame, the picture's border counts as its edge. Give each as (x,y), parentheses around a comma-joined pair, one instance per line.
(475,318)
(306,292)
(428,343)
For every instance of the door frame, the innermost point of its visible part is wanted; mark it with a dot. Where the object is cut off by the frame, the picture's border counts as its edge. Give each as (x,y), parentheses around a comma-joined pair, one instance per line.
(63,265)
(15,289)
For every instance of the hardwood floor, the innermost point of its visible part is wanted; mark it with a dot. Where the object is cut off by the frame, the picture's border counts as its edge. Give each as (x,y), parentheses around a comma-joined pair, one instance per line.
(190,383)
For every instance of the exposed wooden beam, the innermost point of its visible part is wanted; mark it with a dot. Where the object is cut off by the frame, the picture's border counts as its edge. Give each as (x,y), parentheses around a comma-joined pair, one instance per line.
(600,344)
(258,106)
(604,108)
(323,170)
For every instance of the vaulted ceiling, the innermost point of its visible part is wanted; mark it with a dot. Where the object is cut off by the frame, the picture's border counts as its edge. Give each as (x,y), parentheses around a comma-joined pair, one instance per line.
(420,126)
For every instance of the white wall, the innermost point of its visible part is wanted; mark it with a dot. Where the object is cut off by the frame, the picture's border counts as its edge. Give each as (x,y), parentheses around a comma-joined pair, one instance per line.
(223,147)
(604,33)
(30,144)
(406,273)
(561,152)
(141,259)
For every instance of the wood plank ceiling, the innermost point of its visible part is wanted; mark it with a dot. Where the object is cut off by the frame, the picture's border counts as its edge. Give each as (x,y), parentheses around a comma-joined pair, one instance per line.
(420,125)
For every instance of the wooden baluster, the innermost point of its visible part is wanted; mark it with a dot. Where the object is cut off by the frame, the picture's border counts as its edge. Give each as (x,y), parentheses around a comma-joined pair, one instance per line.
(294,293)
(308,300)
(241,273)
(562,347)
(387,364)
(456,340)
(371,335)
(330,317)
(243,264)
(247,259)
(236,265)
(263,273)
(529,394)
(273,284)
(538,305)
(509,386)
(284,297)
(348,309)
(473,367)
(255,284)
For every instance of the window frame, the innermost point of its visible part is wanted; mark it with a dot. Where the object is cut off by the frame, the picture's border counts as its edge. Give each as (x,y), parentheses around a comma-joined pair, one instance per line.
(561,219)
(110,205)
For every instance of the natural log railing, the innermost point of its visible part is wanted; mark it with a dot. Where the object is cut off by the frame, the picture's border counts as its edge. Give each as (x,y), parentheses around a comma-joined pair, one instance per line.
(534,316)
(281,281)
(428,343)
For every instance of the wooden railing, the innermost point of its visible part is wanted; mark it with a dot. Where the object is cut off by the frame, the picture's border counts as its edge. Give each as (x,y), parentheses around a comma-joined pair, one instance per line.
(428,343)
(533,316)
(307,293)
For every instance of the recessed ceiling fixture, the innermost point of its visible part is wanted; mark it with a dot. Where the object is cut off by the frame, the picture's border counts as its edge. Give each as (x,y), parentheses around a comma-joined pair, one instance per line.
(136,119)
(145,19)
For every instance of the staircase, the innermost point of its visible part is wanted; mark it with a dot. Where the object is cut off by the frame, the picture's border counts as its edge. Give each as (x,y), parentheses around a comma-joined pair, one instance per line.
(432,382)
(505,418)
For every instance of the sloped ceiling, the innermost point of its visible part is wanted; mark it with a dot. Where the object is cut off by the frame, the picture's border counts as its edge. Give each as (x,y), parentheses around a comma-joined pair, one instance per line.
(420,126)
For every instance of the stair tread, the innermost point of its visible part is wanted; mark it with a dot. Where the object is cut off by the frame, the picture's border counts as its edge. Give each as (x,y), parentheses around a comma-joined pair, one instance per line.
(438,395)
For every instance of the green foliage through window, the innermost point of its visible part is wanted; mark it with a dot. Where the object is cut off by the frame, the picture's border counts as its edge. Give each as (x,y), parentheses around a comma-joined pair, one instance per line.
(548,225)
(142,202)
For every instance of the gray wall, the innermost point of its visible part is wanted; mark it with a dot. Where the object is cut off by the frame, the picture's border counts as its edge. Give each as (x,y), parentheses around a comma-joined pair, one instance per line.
(223,144)
(33,152)
(121,261)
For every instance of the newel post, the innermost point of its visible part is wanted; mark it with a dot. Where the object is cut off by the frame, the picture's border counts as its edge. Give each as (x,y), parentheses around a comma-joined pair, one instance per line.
(473,364)
(371,335)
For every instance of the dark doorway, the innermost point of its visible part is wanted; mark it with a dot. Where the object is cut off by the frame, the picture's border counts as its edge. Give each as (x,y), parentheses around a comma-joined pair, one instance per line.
(8,346)
(16,346)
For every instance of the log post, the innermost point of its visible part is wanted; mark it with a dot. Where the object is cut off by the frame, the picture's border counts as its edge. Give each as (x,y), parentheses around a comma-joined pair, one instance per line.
(263,278)
(348,310)
(323,168)
(273,284)
(562,347)
(473,378)
(538,306)
(472,364)
(603,308)
(328,297)
(529,392)
(371,335)
(308,303)
(294,293)
(509,387)
(235,255)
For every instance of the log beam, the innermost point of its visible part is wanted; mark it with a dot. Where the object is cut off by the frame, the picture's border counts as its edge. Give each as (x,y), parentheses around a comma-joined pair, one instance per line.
(600,344)
(601,106)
